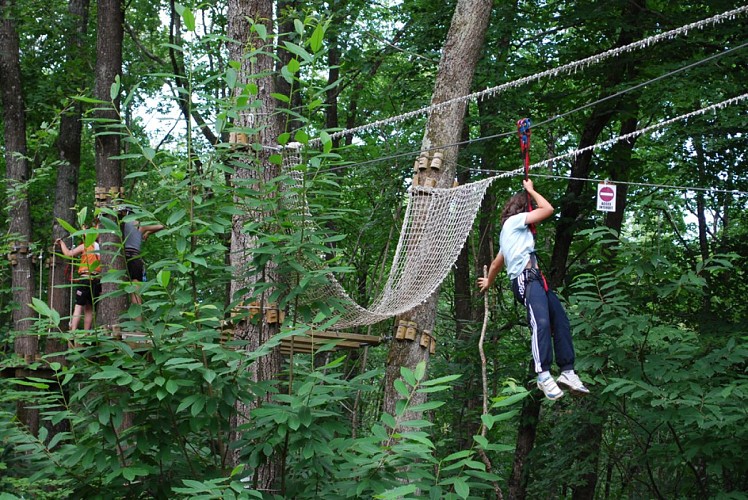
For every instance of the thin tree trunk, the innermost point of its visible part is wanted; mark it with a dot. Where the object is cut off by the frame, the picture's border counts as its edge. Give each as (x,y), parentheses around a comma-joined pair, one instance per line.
(17,174)
(464,288)
(702,223)
(526,433)
(459,58)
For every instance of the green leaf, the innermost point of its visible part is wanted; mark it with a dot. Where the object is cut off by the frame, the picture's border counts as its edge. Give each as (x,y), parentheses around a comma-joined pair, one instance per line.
(189,19)
(315,42)
(408,375)
(441,380)
(231,77)
(293,65)
(461,487)
(401,388)
(482,441)
(163,277)
(114,88)
(44,310)
(420,370)
(172,386)
(261,31)
(429,405)
(458,455)
(510,400)
(67,227)
(305,416)
(176,216)
(281,97)
(287,74)
(107,373)
(149,153)
(487,420)
(299,51)
(298,26)
(301,137)
(187,402)
(399,492)
(326,141)
(389,420)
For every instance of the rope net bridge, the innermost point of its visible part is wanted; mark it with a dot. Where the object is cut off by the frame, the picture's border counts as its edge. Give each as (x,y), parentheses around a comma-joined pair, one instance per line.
(435,227)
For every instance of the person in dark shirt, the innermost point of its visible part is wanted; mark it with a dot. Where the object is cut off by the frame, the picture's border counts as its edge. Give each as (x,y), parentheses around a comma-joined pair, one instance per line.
(133,236)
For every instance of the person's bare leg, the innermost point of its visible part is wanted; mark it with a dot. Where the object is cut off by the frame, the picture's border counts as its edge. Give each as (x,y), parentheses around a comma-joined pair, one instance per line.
(87,316)
(77,313)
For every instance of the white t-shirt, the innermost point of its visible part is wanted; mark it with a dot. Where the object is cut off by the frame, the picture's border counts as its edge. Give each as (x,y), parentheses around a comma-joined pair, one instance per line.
(516,243)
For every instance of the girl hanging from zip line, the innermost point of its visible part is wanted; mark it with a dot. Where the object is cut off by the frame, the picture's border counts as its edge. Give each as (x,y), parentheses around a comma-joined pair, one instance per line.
(551,332)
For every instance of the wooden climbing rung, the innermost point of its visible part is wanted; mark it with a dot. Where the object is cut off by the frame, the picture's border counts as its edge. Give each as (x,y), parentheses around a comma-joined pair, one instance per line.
(314,340)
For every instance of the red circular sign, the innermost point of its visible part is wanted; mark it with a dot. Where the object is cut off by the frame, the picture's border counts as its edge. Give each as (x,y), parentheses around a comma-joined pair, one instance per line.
(606,193)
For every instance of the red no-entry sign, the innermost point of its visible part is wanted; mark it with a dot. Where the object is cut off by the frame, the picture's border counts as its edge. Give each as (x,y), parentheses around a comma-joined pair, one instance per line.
(606,197)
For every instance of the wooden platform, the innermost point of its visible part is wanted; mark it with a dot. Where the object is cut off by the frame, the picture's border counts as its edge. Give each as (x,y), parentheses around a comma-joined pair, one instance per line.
(307,344)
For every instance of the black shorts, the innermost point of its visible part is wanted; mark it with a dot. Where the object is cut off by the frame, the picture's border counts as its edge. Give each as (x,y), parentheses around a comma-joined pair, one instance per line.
(135,267)
(87,290)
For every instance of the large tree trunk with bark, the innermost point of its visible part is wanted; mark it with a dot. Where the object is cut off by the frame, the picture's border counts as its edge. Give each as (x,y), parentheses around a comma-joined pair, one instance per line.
(460,55)
(110,31)
(263,126)
(17,174)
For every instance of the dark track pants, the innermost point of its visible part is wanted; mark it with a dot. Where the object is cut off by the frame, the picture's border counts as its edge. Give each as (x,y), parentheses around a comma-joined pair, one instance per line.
(549,324)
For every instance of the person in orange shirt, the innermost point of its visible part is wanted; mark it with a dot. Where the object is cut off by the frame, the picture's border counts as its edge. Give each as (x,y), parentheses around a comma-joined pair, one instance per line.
(88,283)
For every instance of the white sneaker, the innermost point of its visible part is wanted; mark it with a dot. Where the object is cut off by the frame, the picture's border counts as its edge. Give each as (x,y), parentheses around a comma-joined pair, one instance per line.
(550,389)
(571,381)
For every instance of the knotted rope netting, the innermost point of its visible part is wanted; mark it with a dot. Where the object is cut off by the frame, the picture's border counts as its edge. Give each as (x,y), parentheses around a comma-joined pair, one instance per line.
(435,227)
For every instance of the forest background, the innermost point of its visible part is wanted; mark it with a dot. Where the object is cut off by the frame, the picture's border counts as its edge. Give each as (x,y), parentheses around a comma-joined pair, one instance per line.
(208,403)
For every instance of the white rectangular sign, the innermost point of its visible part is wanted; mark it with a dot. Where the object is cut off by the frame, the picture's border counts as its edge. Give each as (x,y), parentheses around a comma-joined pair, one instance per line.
(606,197)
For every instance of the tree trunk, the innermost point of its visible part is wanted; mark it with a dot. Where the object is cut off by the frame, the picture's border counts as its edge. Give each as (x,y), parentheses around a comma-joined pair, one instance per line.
(574,202)
(704,251)
(69,151)
(589,433)
(258,171)
(17,173)
(526,433)
(459,58)
(619,171)
(110,30)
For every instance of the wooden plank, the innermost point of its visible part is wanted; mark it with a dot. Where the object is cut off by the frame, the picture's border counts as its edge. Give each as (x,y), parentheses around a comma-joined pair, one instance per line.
(318,342)
(286,350)
(363,339)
